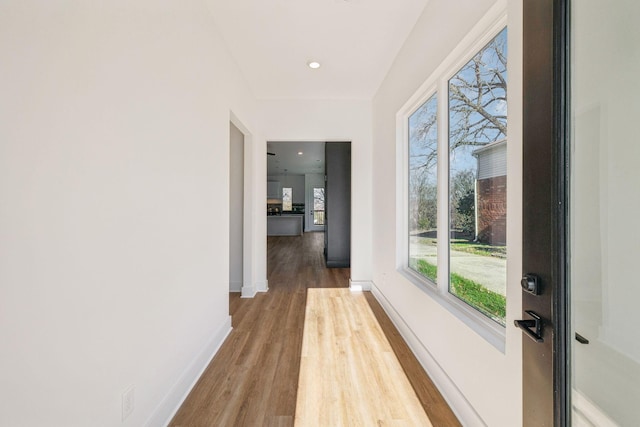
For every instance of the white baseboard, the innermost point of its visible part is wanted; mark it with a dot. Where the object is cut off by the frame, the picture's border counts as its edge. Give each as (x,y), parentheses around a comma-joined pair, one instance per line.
(460,406)
(235,286)
(360,285)
(180,390)
(251,290)
(587,414)
(248,292)
(262,286)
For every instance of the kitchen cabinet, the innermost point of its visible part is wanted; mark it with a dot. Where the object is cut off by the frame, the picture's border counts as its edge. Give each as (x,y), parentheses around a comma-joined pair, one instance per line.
(337,235)
(284,225)
(274,190)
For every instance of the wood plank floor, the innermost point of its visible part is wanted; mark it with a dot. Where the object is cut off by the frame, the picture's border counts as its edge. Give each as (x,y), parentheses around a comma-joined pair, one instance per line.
(253,379)
(349,374)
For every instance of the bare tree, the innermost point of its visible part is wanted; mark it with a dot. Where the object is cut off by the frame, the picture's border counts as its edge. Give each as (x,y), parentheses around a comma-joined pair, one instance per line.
(318,198)
(477,105)
(478,97)
(423,193)
(477,100)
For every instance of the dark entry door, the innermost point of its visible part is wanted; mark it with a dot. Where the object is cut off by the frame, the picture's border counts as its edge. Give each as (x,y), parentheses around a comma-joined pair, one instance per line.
(581,354)
(544,318)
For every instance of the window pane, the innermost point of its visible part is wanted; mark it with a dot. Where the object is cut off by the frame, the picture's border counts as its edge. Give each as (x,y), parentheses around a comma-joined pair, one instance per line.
(318,206)
(287,199)
(423,181)
(478,180)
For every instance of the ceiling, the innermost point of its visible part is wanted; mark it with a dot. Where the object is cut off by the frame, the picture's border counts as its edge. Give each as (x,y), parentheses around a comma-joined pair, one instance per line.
(355,41)
(287,161)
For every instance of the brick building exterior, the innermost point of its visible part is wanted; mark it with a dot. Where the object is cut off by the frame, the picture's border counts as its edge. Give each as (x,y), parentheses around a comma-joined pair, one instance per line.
(491,193)
(492,210)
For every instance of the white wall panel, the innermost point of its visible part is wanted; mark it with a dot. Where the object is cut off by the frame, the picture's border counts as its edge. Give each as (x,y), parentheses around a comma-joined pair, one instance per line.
(114,181)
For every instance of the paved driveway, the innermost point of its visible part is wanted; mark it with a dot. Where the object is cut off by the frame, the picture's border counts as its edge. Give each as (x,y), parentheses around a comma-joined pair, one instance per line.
(490,272)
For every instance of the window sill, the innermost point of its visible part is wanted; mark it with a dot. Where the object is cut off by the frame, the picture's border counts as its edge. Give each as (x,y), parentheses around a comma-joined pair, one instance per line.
(489,330)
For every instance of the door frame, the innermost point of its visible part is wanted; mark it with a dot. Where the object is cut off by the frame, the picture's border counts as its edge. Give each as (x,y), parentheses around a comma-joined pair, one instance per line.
(546,148)
(251,272)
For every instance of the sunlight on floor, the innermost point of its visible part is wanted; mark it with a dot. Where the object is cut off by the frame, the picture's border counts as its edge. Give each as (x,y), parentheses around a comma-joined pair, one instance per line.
(349,374)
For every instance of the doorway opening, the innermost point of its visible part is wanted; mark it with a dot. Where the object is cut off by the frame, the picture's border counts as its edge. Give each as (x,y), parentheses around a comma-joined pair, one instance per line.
(292,169)
(236,208)
(309,190)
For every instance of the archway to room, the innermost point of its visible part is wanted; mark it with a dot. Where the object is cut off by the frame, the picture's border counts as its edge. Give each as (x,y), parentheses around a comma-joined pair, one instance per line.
(309,191)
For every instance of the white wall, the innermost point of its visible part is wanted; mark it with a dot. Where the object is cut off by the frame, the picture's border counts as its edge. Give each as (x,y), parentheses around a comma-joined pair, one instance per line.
(113,164)
(236,207)
(332,120)
(483,384)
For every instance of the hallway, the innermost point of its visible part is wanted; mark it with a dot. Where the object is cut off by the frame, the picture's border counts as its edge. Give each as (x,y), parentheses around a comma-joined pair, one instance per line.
(253,379)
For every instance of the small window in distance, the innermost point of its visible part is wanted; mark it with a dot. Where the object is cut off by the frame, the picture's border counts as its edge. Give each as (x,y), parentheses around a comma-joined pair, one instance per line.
(287,198)
(318,206)
(478,180)
(423,189)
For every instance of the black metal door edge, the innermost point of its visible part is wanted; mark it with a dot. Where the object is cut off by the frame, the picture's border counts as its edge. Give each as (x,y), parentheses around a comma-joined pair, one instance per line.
(562,299)
(546,149)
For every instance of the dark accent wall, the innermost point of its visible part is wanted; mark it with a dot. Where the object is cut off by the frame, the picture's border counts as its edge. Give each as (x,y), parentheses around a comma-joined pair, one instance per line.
(337,237)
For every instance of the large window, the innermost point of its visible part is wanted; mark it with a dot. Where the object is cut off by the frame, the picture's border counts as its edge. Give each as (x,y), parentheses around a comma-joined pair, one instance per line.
(423,189)
(456,178)
(478,180)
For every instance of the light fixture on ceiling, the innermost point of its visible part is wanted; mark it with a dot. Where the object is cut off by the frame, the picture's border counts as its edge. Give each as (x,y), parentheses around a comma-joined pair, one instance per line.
(300,153)
(313,64)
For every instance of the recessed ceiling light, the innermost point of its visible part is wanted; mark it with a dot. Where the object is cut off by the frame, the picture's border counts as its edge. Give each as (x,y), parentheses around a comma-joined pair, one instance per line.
(300,153)
(314,64)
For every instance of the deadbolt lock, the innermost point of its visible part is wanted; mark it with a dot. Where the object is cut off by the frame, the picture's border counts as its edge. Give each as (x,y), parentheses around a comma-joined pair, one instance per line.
(530,283)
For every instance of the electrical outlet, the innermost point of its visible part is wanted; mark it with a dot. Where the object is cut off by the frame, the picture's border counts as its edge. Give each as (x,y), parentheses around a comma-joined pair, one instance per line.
(128,402)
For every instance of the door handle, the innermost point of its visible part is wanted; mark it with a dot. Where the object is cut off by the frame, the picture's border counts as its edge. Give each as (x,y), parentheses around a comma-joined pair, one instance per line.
(526,325)
(581,339)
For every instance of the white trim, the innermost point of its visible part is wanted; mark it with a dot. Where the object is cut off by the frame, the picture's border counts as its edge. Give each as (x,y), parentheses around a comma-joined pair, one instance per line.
(587,414)
(168,407)
(360,285)
(250,237)
(248,291)
(459,404)
(235,287)
(262,286)
(490,146)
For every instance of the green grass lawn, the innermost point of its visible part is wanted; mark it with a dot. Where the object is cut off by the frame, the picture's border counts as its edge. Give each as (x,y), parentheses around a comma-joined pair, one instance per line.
(469,246)
(476,248)
(488,302)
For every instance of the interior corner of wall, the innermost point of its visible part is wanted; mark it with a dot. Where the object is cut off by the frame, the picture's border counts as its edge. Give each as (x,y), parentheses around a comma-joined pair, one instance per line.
(360,285)
(177,394)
